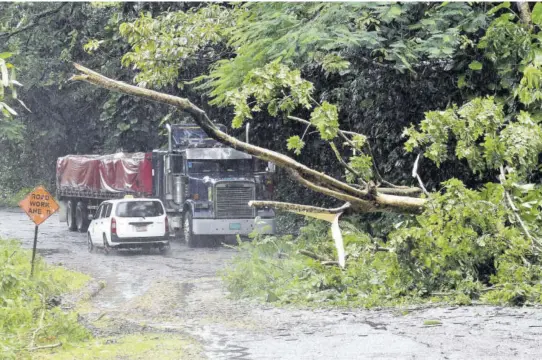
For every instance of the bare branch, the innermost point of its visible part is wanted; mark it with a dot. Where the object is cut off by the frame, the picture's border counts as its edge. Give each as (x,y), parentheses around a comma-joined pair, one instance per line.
(52,346)
(524,12)
(535,242)
(297,207)
(312,255)
(306,122)
(356,202)
(375,166)
(343,134)
(415,174)
(344,164)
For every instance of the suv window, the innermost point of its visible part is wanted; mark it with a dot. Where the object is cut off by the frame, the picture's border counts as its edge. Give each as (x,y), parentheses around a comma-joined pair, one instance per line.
(99,212)
(107,210)
(139,209)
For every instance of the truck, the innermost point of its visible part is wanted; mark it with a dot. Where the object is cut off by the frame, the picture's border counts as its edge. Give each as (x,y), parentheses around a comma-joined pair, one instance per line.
(204,185)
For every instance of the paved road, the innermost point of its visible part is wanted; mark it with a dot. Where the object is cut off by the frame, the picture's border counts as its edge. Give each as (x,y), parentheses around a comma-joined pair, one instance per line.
(181,292)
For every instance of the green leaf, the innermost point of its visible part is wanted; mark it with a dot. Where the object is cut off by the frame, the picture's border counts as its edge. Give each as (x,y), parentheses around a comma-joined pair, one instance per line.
(503,5)
(295,143)
(5,55)
(536,15)
(326,119)
(475,65)
(461,83)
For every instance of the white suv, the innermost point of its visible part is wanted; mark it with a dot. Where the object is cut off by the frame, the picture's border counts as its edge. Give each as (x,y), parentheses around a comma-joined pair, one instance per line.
(129,223)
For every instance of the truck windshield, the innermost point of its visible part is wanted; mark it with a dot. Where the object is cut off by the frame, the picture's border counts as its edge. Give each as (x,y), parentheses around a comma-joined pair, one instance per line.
(139,209)
(220,166)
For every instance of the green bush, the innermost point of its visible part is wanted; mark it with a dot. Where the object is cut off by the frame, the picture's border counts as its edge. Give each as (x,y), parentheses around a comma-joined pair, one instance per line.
(463,248)
(29,316)
(9,199)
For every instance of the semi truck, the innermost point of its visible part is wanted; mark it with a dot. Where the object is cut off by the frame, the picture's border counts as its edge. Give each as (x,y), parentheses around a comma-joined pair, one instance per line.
(204,185)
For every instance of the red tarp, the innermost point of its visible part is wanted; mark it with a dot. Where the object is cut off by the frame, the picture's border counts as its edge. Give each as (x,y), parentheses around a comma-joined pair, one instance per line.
(113,173)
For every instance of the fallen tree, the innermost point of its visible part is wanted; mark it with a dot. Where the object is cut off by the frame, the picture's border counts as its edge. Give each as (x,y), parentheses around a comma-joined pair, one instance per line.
(372,198)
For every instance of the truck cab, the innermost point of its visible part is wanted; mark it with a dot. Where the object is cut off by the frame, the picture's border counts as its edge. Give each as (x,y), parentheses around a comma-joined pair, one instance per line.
(206,187)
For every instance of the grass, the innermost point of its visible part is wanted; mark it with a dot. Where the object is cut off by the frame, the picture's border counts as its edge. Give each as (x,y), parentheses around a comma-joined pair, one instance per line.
(29,317)
(134,347)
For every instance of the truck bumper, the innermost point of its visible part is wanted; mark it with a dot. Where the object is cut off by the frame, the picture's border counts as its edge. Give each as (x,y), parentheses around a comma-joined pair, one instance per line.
(232,226)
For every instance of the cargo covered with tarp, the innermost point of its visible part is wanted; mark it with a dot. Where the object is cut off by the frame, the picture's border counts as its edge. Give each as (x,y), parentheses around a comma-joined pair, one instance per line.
(104,176)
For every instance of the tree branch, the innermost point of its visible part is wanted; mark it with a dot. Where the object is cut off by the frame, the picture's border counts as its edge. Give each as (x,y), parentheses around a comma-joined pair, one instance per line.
(297,207)
(403,190)
(34,22)
(415,174)
(312,255)
(360,199)
(535,242)
(524,12)
(52,346)
(344,164)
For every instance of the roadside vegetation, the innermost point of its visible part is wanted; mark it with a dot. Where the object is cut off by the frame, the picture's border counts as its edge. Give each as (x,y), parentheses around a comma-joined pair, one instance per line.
(31,317)
(458,251)
(10,199)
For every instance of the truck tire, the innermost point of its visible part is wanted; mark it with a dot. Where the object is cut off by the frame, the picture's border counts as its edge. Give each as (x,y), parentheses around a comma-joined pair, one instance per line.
(70,217)
(81,217)
(188,234)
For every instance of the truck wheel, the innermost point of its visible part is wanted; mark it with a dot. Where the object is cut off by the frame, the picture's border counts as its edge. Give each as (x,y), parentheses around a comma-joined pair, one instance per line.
(70,208)
(81,217)
(189,238)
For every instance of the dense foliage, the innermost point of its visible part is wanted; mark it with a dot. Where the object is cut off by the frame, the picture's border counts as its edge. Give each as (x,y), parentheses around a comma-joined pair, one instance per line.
(461,249)
(29,313)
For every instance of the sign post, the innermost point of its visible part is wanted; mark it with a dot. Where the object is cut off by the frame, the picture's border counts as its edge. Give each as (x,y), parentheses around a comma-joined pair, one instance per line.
(38,205)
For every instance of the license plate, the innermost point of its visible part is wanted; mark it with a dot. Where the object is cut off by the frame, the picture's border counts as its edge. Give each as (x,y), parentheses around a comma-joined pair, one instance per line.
(141,228)
(235,226)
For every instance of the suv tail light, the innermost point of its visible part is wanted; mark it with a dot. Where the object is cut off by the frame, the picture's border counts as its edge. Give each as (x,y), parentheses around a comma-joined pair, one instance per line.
(113,226)
(167,225)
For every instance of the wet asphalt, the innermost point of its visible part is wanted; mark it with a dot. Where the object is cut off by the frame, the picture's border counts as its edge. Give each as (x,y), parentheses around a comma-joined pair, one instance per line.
(181,292)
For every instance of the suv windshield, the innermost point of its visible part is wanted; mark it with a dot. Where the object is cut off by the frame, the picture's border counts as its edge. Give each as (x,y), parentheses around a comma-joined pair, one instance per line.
(139,209)
(220,166)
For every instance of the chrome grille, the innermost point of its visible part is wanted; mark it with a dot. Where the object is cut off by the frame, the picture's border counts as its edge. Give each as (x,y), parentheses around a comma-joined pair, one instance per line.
(232,201)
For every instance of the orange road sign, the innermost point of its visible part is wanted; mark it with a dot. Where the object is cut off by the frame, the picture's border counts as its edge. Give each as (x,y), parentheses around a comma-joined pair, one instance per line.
(39,205)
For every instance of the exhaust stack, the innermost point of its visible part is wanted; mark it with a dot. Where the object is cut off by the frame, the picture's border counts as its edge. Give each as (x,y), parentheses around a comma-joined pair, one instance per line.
(246,132)
(169,144)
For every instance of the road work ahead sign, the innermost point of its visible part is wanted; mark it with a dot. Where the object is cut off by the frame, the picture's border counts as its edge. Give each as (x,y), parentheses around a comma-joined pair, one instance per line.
(39,205)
